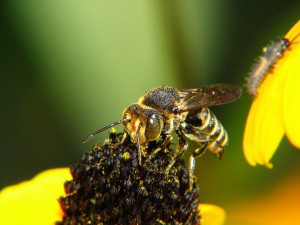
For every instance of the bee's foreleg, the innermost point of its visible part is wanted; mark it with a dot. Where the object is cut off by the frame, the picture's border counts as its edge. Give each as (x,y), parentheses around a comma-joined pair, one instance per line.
(125,137)
(181,148)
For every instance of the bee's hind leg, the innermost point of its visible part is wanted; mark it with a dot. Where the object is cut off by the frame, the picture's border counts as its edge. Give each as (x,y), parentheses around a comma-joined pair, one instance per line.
(196,153)
(200,151)
(192,163)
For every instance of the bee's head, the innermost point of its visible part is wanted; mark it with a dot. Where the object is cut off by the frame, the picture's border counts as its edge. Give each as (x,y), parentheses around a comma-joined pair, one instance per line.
(142,124)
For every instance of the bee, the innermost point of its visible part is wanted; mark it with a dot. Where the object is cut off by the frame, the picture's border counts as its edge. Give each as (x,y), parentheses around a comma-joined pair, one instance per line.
(265,63)
(164,109)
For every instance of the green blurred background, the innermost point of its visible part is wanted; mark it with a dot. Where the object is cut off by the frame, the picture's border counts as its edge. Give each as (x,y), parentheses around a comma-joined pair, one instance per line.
(70,67)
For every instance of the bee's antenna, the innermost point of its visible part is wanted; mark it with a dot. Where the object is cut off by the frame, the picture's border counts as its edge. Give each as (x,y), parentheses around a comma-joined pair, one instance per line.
(103,129)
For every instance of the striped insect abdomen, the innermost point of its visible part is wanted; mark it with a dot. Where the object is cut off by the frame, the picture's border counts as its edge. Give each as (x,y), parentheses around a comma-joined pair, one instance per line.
(205,129)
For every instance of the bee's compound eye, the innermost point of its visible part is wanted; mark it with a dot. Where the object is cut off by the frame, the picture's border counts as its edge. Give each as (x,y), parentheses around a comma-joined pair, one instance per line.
(153,127)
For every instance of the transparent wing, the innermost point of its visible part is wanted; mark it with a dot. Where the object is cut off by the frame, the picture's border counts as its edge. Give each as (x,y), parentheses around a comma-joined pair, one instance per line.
(210,95)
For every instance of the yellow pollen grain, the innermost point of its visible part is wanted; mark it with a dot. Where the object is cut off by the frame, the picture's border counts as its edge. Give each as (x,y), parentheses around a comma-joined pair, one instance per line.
(126,155)
(113,130)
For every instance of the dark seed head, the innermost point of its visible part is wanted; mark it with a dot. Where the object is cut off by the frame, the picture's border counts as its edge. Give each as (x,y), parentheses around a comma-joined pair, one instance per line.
(109,187)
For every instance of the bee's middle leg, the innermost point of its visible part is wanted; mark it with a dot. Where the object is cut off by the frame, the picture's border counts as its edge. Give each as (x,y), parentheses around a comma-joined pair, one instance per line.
(182,147)
(166,138)
(196,153)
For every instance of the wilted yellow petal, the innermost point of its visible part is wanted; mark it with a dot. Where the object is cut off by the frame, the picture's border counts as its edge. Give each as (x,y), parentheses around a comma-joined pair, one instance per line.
(212,214)
(291,99)
(34,201)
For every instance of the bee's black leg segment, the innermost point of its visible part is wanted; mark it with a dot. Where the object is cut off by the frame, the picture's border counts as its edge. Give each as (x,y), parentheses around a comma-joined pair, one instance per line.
(192,163)
(181,148)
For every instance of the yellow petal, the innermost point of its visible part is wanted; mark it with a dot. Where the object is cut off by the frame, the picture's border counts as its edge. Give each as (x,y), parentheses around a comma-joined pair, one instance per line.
(212,214)
(35,201)
(264,127)
(291,99)
(275,109)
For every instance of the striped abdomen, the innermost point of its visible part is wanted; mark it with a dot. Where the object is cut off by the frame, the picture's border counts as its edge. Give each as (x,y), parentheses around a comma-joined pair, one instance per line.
(205,129)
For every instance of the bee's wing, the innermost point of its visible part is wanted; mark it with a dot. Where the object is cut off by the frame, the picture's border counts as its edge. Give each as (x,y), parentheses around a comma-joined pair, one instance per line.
(215,94)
